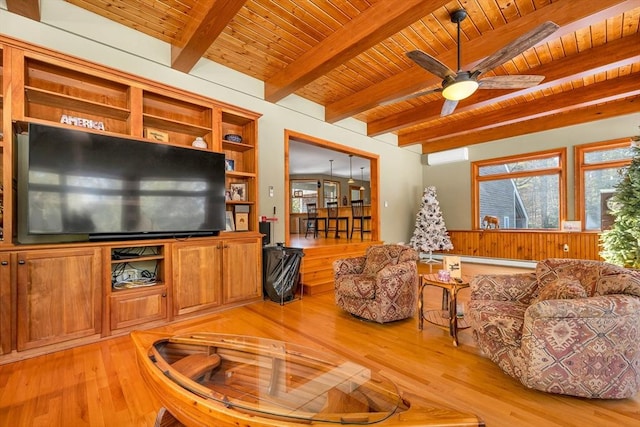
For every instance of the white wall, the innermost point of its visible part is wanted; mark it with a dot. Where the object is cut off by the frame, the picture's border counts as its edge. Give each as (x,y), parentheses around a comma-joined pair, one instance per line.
(453,181)
(71,30)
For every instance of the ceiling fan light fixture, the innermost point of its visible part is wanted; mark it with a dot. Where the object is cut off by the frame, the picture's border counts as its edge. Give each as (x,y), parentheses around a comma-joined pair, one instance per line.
(461,88)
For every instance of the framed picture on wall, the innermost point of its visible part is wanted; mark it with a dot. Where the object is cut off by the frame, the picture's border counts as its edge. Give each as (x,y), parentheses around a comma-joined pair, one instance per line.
(229,164)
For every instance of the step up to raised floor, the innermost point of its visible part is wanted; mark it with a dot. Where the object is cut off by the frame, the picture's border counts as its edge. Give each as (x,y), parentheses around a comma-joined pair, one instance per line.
(317,264)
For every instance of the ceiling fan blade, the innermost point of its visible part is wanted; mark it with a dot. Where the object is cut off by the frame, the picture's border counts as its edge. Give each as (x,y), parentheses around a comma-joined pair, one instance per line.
(410,96)
(430,64)
(448,107)
(517,46)
(516,81)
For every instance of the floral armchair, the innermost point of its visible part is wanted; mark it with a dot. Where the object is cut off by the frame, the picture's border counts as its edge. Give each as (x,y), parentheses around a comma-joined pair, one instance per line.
(381,286)
(572,327)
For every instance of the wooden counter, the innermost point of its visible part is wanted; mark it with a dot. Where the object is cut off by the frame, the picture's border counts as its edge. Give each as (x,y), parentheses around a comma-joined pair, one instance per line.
(297,221)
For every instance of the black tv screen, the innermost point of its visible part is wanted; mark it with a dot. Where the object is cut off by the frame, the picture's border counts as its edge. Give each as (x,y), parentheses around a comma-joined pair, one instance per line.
(76,185)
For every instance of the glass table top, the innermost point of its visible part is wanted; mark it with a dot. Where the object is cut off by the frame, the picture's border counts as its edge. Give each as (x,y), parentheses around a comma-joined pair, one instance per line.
(275,378)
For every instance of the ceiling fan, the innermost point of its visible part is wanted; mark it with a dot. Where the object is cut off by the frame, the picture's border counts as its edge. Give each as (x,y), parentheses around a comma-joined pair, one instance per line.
(462,84)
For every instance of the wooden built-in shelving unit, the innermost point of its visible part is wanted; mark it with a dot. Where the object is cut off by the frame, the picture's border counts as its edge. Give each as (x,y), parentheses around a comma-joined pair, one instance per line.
(191,277)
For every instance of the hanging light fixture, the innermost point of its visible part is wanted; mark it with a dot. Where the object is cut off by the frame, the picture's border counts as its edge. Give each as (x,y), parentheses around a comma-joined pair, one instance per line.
(351,181)
(331,169)
(361,178)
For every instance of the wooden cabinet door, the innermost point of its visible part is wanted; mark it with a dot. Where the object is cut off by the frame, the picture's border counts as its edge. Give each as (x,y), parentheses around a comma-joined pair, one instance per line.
(196,276)
(58,295)
(242,270)
(138,307)
(7,299)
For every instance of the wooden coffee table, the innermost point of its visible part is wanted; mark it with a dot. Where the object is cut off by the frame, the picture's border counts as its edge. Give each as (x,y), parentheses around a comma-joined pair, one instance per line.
(447,317)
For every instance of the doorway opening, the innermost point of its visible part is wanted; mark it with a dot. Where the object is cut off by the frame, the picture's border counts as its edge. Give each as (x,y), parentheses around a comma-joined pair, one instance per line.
(316,171)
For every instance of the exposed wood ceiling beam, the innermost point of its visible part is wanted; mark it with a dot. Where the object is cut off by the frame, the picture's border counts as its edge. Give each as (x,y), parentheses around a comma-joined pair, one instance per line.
(221,12)
(27,8)
(574,117)
(605,91)
(372,26)
(569,14)
(601,58)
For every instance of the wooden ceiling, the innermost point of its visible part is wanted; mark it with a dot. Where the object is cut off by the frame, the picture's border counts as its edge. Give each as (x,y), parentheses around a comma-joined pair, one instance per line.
(349,56)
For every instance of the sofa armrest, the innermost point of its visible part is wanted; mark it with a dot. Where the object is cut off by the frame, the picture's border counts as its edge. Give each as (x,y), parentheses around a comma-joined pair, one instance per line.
(583,347)
(519,287)
(344,266)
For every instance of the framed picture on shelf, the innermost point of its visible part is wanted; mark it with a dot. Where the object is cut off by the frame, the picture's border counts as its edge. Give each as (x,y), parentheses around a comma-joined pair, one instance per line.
(229,164)
(238,191)
(242,221)
(230,226)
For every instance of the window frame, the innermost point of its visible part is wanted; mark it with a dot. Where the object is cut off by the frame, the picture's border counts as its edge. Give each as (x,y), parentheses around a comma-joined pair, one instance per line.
(581,168)
(326,199)
(303,205)
(560,170)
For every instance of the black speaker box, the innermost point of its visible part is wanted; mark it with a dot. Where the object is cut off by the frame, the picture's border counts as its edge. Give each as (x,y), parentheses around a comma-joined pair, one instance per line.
(265,228)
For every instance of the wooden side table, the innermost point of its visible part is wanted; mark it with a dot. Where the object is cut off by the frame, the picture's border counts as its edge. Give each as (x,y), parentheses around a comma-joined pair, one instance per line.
(447,317)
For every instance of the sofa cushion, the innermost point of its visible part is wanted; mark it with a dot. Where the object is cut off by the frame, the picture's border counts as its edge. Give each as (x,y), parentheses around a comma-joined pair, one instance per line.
(378,257)
(628,284)
(563,288)
(586,271)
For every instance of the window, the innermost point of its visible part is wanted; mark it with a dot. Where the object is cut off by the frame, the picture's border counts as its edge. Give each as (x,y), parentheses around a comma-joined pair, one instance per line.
(331,191)
(599,167)
(355,193)
(524,192)
(302,192)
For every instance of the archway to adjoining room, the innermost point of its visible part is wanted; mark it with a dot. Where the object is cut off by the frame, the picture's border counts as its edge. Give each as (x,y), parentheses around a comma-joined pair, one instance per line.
(327,171)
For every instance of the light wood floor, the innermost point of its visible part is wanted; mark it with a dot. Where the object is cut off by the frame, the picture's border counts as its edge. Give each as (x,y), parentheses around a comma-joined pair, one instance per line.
(300,241)
(99,385)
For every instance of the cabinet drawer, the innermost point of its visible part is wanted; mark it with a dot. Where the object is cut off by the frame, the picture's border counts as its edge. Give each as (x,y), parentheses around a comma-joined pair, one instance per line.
(138,307)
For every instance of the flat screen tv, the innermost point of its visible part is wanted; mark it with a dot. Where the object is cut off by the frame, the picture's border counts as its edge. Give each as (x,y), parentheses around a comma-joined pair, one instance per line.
(74,185)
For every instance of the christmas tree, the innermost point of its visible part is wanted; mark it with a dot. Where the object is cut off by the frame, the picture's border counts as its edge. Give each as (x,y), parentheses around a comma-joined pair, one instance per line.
(430,233)
(621,244)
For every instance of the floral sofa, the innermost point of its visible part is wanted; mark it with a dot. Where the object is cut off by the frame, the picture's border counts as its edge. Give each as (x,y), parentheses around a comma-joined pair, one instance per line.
(572,327)
(381,286)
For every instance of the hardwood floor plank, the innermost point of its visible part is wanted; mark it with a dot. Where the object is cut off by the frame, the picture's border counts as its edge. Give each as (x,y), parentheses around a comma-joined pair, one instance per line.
(99,384)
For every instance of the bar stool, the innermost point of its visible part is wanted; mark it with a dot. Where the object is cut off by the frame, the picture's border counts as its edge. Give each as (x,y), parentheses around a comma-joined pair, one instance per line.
(357,214)
(332,215)
(312,220)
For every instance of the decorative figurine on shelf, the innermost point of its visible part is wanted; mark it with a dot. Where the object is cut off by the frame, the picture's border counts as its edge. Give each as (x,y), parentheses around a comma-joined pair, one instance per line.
(199,143)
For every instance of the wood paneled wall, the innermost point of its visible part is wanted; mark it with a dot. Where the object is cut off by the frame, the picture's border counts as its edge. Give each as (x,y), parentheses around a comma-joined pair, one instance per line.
(525,245)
